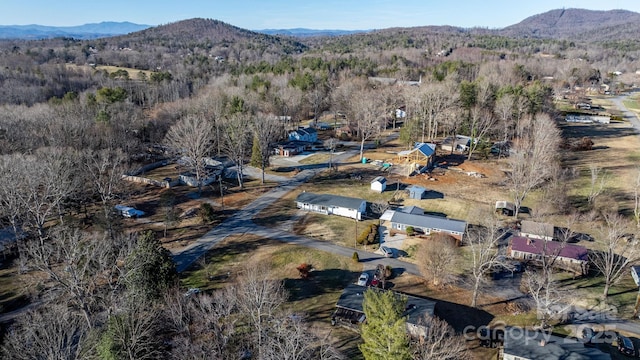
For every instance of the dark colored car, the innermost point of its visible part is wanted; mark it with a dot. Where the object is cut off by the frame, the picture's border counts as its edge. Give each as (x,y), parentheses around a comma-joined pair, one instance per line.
(625,346)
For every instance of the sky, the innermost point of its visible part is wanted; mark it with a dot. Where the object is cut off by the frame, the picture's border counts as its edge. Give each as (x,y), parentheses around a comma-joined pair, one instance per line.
(288,14)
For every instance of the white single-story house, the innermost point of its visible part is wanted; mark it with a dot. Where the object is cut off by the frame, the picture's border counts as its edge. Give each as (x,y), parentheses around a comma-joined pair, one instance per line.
(421,223)
(332,204)
(536,230)
(379,184)
(307,134)
(522,344)
(587,119)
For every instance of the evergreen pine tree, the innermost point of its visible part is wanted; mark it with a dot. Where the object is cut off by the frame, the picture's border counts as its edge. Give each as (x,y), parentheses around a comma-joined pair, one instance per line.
(385,330)
(256,156)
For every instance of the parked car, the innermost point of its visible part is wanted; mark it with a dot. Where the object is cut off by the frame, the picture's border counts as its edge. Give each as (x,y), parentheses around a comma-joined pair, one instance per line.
(128,211)
(387,251)
(363,280)
(625,345)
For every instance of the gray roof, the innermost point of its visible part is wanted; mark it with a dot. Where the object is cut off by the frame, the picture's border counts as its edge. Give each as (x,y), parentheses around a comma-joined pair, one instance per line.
(429,221)
(353,295)
(527,344)
(379,179)
(537,228)
(415,210)
(416,188)
(329,200)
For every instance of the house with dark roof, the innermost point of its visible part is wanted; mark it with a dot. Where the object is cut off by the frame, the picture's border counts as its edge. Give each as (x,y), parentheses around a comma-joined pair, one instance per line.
(522,344)
(569,257)
(289,148)
(349,309)
(427,224)
(329,204)
(307,134)
(536,230)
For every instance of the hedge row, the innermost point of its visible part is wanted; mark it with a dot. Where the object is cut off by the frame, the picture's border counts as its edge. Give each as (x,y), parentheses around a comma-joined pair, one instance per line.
(369,235)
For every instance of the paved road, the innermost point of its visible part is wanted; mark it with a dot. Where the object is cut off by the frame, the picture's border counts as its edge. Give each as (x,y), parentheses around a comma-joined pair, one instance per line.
(242,221)
(626,113)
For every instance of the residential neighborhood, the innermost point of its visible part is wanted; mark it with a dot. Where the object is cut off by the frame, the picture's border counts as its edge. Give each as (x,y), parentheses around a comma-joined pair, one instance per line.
(198,190)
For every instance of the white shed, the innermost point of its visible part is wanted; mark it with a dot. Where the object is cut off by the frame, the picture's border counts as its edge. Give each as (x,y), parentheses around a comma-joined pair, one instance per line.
(379,184)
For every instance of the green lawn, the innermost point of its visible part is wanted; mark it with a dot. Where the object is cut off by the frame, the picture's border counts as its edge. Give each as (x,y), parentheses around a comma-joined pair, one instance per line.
(632,103)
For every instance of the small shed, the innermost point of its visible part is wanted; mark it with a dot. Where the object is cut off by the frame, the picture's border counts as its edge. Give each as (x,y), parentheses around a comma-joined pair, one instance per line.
(416,192)
(379,184)
(505,207)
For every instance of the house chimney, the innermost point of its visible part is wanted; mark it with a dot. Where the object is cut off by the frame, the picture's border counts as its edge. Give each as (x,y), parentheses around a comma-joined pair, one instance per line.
(529,241)
(542,342)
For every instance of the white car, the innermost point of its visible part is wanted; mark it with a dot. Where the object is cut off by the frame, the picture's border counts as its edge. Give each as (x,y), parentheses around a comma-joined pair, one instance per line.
(387,251)
(363,280)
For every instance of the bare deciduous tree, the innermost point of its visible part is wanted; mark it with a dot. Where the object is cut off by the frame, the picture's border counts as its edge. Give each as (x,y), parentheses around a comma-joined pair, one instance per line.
(267,130)
(617,253)
(440,342)
(482,243)
(104,169)
(50,332)
(236,136)
(598,180)
(437,258)
(533,159)
(84,268)
(192,138)
(481,122)
(259,298)
(202,325)
(365,107)
(331,144)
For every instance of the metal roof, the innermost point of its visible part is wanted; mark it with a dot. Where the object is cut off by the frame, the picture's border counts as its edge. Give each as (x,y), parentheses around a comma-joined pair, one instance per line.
(330,200)
(426,149)
(536,228)
(527,344)
(551,248)
(429,222)
(380,179)
(353,295)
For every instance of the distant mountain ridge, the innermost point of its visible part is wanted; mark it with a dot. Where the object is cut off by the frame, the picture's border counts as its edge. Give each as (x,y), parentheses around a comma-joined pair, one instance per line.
(86,31)
(303,32)
(577,24)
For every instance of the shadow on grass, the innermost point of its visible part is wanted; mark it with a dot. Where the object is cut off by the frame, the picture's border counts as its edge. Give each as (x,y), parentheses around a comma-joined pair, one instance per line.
(319,283)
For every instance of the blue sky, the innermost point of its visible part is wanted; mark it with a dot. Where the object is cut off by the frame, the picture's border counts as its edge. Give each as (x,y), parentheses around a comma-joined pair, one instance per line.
(286,14)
